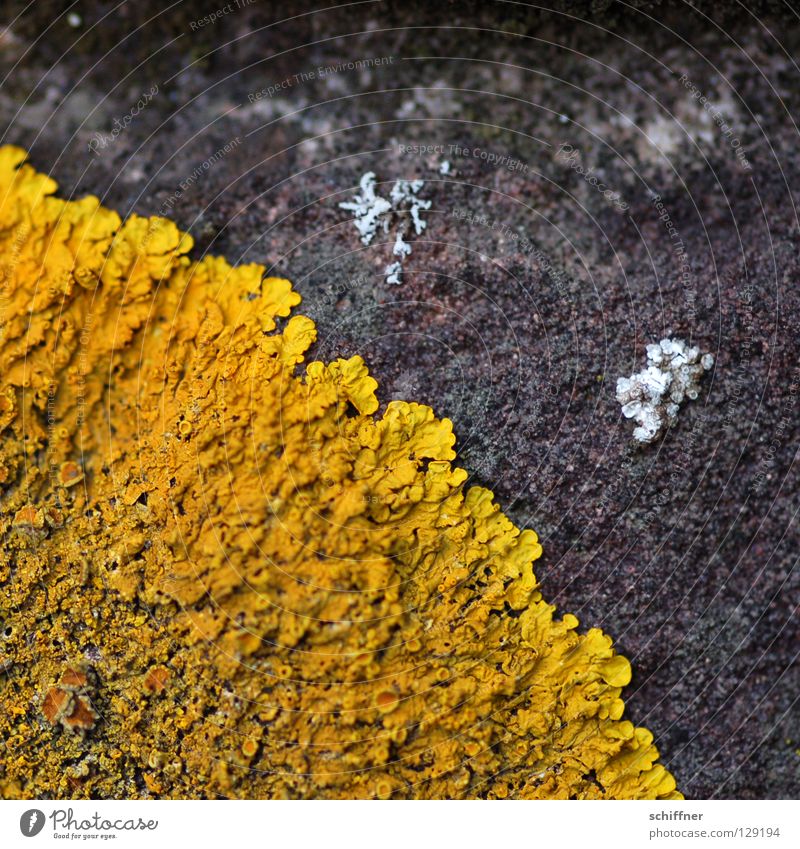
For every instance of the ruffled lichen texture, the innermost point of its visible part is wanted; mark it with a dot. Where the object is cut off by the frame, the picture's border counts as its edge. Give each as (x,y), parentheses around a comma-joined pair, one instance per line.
(223,575)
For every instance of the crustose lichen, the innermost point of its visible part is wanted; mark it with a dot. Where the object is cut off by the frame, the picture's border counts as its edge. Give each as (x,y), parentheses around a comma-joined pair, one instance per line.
(652,397)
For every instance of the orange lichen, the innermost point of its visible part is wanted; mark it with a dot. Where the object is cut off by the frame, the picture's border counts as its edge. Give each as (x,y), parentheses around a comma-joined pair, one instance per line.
(156,679)
(69,704)
(69,474)
(74,679)
(249,748)
(28,517)
(315,579)
(54,704)
(386,701)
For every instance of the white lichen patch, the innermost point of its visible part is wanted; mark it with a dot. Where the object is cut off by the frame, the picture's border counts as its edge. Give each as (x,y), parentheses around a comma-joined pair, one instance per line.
(401,247)
(653,397)
(394,273)
(406,201)
(403,212)
(369,209)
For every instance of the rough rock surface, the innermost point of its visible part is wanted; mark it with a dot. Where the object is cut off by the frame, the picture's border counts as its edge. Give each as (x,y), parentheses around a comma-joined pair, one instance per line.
(531,290)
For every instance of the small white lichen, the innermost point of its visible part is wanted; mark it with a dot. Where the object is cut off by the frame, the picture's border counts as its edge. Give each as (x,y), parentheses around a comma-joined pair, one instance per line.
(405,200)
(401,246)
(394,273)
(444,168)
(653,396)
(368,208)
(403,211)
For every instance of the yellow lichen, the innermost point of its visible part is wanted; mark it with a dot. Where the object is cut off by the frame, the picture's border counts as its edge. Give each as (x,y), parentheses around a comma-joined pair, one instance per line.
(278,594)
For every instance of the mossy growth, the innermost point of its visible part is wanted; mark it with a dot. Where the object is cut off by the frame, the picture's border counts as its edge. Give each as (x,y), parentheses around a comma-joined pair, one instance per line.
(249,584)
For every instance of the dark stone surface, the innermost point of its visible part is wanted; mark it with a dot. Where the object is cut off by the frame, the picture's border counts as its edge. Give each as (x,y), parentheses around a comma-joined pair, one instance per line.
(517,323)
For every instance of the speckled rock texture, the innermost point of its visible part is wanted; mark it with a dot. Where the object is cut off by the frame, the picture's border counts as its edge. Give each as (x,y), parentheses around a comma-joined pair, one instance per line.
(539,280)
